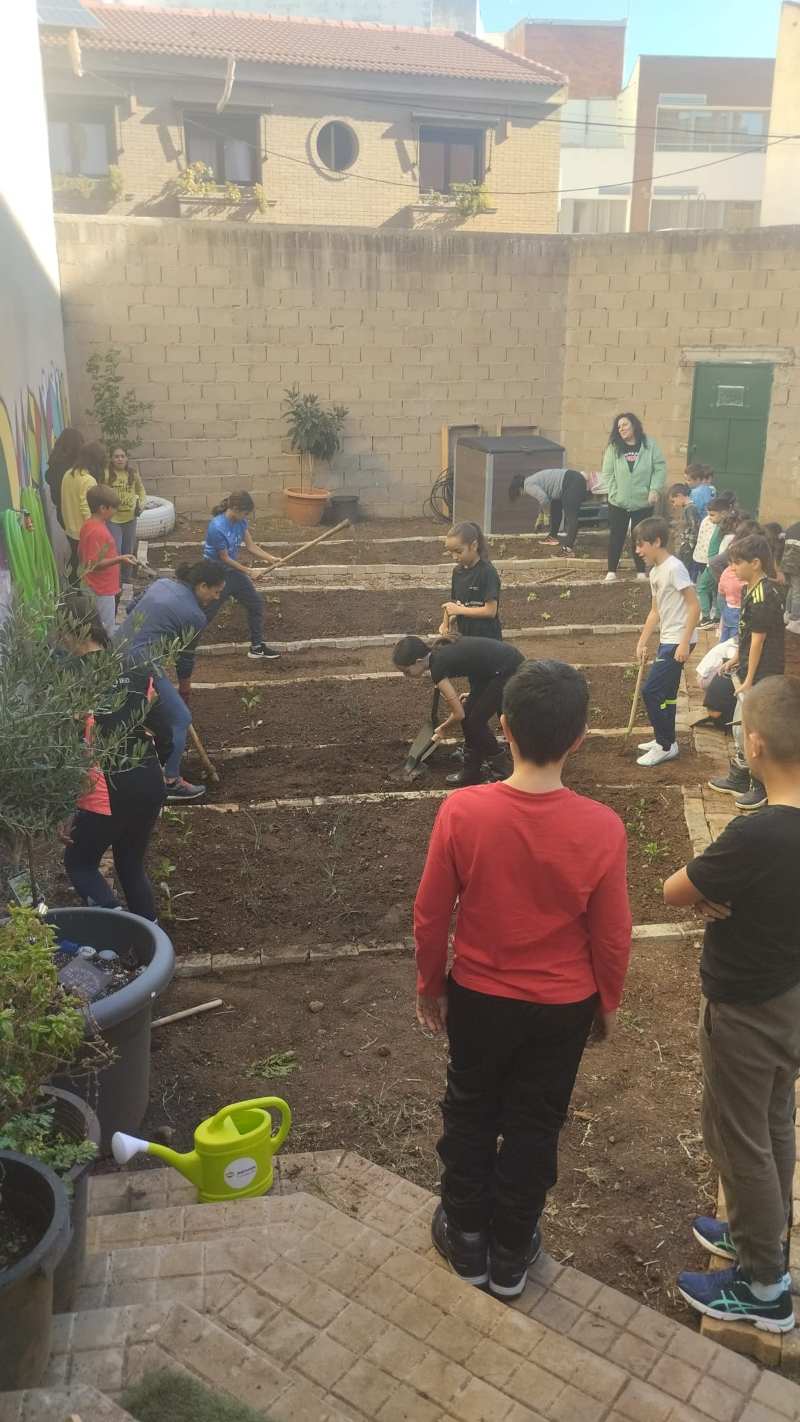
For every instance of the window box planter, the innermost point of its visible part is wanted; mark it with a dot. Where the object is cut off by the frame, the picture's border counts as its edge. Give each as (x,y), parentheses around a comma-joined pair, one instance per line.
(218,205)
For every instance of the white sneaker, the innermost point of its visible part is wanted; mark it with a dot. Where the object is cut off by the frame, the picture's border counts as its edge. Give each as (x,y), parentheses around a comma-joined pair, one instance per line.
(610,578)
(646,745)
(657,756)
(642,578)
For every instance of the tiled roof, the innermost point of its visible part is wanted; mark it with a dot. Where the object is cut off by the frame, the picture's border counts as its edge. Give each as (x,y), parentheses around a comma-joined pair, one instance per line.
(590,55)
(316,44)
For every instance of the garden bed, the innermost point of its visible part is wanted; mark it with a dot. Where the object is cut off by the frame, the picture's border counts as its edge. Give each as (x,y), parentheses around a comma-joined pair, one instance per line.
(632,1173)
(361,548)
(361,712)
(295,615)
(344,873)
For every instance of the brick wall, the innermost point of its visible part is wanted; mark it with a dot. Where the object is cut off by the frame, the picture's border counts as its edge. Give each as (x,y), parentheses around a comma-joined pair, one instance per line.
(413,332)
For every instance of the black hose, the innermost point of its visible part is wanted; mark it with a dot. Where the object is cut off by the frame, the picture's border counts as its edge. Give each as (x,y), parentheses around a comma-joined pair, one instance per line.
(439,503)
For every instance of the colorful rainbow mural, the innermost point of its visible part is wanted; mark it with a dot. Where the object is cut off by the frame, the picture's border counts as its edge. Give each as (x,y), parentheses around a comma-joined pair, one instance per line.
(27,433)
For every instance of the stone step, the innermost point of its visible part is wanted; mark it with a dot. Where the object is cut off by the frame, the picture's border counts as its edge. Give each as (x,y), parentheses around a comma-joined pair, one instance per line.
(56,1404)
(359,1323)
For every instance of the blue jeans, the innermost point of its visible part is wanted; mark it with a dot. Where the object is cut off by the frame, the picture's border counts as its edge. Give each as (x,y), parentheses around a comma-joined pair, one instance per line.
(180,718)
(124,535)
(729,622)
(241,589)
(660,693)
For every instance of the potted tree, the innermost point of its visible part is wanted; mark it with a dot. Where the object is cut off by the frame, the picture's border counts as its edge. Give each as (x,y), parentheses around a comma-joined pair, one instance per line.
(315,432)
(44,761)
(42,1030)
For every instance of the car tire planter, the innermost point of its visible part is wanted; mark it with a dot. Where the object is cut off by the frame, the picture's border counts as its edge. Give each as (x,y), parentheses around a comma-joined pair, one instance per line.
(34,1194)
(119,1092)
(157,518)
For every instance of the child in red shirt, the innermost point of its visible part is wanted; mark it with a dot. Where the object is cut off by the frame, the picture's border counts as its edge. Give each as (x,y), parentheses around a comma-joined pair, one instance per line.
(98,559)
(540,952)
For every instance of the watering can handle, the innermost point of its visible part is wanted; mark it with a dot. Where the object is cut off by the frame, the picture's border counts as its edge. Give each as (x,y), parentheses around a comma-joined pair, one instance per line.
(264,1103)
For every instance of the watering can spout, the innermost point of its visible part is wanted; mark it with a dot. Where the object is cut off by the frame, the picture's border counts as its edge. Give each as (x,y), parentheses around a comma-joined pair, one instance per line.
(124,1148)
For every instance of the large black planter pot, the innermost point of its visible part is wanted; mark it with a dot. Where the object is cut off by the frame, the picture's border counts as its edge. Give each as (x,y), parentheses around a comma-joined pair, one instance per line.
(120,1091)
(76,1121)
(35,1194)
(341,506)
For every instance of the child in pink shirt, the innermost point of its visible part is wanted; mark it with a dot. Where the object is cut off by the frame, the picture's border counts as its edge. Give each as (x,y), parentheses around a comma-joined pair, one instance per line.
(729,589)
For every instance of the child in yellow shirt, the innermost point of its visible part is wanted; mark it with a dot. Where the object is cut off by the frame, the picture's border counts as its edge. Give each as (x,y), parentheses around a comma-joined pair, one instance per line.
(126,481)
(90,469)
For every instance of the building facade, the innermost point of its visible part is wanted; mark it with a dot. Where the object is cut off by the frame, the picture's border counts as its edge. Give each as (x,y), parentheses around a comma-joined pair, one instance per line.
(781,200)
(301,122)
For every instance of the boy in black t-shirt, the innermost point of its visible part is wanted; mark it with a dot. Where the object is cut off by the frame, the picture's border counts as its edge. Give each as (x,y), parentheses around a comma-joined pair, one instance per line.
(760,654)
(474,587)
(747,887)
(487,665)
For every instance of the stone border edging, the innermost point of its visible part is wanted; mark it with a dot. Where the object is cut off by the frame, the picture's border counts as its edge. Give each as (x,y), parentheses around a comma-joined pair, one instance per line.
(388,639)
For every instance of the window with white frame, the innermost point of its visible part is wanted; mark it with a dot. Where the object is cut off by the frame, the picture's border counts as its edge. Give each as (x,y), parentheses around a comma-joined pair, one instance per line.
(697,212)
(81,140)
(706,130)
(229,144)
(593,215)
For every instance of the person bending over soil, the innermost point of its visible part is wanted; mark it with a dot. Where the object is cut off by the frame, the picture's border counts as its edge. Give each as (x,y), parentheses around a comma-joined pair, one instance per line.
(119,810)
(564,490)
(487,664)
(540,952)
(172,611)
(475,585)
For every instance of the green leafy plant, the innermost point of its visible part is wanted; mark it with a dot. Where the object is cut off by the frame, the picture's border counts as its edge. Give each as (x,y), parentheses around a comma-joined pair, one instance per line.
(315,431)
(41,1026)
(34,1133)
(250,700)
(45,698)
(115,182)
(260,195)
(120,416)
(471,199)
(279,1064)
(197,180)
(110,188)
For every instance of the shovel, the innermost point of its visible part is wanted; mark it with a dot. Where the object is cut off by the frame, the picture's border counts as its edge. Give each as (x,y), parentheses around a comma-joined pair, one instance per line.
(423,743)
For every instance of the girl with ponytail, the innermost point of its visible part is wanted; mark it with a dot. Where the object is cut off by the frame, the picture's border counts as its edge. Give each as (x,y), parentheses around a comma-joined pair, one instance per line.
(474,604)
(227,533)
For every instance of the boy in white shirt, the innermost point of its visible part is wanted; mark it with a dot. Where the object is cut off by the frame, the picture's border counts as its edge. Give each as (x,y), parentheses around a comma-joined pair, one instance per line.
(676,613)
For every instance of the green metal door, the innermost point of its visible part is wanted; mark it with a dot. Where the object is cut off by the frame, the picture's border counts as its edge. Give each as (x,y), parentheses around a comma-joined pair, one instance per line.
(730,413)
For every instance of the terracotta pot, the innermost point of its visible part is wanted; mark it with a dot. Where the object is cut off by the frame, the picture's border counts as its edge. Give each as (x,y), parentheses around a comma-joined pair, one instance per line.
(306,506)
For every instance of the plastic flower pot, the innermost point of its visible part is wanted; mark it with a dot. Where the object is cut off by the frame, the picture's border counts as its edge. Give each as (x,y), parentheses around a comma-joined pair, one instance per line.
(342,506)
(75,1120)
(119,1092)
(306,506)
(36,1197)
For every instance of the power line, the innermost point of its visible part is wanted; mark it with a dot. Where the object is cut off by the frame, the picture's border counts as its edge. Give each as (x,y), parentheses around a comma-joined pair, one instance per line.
(505,192)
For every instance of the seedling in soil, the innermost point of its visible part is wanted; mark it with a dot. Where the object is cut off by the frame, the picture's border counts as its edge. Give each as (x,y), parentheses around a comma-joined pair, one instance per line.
(279,1064)
(547,617)
(169,901)
(181,823)
(630,673)
(165,868)
(251,700)
(567,593)
(532,597)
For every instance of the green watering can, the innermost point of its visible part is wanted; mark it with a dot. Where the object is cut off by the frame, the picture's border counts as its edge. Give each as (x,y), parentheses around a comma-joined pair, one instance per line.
(232,1156)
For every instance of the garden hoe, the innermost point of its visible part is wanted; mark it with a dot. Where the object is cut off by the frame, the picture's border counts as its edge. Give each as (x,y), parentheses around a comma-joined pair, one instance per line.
(423,744)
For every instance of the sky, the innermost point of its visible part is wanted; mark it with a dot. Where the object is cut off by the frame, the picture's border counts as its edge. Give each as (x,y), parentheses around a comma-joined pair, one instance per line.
(719,27)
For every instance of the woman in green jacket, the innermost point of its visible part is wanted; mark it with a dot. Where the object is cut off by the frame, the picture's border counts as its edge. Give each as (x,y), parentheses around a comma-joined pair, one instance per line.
(634,469)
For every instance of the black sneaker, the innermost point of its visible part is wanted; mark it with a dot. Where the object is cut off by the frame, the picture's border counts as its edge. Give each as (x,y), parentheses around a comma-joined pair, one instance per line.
(463,777)
(262,652)
(726,1294)
(465,1253)
(753,799)
(707,623)
(736,782)
(508,1268)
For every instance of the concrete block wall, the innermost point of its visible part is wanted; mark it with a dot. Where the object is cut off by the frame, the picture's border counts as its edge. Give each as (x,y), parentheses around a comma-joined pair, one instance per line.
(416,331)
(409,332)
(641,311)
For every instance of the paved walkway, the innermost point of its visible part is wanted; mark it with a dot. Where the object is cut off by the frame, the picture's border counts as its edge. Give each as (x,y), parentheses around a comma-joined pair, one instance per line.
(324,1302)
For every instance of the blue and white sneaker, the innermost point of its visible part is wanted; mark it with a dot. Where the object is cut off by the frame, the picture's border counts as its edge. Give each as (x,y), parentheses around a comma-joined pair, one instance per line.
(715,1236)
(727,1295)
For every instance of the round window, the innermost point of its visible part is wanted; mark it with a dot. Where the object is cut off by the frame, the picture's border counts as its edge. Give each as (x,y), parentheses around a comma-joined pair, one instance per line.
(337,147)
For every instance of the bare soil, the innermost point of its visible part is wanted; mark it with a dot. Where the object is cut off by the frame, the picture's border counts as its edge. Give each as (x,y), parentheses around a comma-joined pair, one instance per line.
(360,712)
(348,873)
(582,648)
(360,549)
(296,615)
(632,1172)
(264,528)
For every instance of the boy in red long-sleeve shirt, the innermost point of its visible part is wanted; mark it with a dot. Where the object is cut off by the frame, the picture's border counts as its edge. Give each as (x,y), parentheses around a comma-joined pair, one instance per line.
(541,949)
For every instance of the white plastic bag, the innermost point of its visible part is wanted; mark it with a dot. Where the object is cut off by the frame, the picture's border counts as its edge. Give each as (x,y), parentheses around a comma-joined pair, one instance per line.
(707,669)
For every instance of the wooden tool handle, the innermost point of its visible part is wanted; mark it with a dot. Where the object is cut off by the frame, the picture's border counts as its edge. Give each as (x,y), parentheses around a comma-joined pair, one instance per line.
(329,532)
(635,701)
(203,754)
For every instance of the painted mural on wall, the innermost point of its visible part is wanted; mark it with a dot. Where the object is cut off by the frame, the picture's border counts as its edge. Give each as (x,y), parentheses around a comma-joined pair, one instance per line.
(28,429)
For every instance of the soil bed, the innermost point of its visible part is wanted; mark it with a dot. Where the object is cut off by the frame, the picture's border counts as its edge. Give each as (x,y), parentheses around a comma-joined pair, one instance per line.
(348,873)
(365,550)
(317,713)
(631,1175)
(352,612)
(580,647)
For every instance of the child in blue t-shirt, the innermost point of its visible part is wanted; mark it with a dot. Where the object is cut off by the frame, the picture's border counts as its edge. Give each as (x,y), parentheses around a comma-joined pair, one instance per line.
(700,478)
(227,532)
